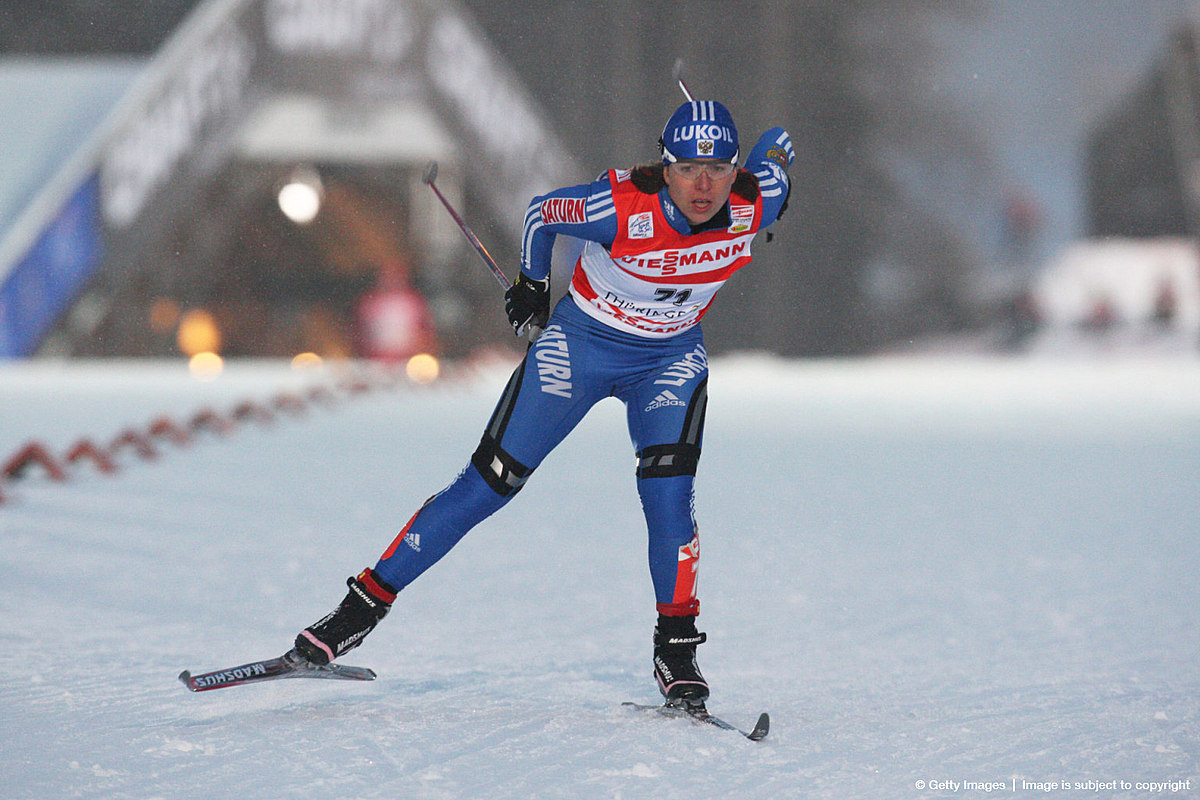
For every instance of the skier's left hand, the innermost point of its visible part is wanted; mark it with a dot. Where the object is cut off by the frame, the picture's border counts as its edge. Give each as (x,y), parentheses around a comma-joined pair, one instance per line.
(775,146)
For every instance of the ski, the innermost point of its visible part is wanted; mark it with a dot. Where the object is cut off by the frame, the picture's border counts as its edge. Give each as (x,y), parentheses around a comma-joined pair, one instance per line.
(289,665)
(700,715)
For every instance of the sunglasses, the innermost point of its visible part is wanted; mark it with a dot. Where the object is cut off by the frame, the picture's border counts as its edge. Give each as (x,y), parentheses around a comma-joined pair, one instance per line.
(692,170)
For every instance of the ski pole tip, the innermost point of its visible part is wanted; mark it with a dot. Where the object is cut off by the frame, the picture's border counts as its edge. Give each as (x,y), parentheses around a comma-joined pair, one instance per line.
(430,173)
(677,74)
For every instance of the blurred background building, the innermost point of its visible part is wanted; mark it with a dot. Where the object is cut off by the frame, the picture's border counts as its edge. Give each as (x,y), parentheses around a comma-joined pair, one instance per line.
(244,176)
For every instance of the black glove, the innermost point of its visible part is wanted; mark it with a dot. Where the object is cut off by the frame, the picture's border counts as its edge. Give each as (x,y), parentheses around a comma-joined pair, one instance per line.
(527,304)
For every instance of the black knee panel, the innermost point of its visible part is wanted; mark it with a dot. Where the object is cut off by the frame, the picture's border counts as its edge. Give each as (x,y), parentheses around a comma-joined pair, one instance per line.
(501,471)
(668,460)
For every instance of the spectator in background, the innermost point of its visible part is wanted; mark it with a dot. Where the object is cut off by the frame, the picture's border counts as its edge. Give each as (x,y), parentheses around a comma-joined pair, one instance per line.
(394,321)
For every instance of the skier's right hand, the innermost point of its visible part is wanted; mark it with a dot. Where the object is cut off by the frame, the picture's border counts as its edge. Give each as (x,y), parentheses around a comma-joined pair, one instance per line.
(527,303)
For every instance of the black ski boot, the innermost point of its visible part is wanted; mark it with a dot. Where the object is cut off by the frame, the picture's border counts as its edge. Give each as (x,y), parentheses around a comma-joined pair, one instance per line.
(675,668)
(344,628)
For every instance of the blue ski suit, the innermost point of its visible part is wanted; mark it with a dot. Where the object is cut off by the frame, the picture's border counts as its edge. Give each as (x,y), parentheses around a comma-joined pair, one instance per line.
(628,328)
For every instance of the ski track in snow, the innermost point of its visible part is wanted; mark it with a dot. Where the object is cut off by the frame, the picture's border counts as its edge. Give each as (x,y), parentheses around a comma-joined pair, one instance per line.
(928,571)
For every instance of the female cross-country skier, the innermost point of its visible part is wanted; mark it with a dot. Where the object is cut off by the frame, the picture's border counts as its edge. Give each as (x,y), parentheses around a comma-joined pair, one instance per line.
(660,240)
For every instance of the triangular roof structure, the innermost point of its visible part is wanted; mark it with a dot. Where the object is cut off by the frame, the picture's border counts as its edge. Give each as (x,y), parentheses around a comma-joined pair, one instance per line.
(276,83)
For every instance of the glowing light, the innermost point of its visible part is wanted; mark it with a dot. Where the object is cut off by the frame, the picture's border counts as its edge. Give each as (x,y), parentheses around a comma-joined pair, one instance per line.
(206,366)
(300,197)
(198,333)
(306,361)
(422,368)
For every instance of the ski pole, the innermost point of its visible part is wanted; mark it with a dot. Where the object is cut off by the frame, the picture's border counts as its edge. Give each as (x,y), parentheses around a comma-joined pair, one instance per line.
(429,178)
(677,72)
(532,332)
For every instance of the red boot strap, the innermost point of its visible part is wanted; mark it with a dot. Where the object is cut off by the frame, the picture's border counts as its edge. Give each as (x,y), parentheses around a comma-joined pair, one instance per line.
(376,586)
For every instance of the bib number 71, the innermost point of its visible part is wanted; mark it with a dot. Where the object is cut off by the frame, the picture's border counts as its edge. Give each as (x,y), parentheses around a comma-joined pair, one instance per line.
(680,295)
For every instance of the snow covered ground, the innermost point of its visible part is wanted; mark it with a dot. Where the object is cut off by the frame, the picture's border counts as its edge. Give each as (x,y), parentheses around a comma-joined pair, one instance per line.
(929,572)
